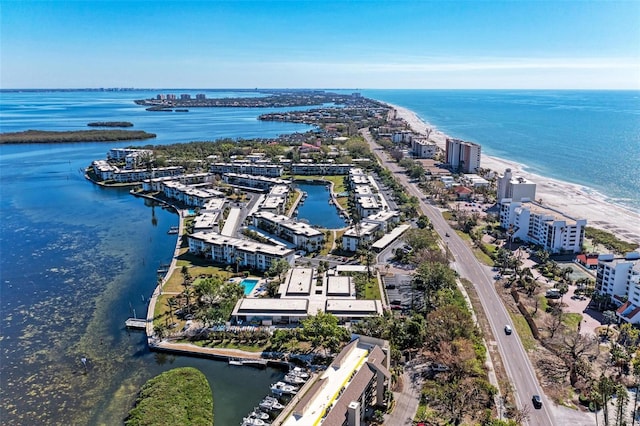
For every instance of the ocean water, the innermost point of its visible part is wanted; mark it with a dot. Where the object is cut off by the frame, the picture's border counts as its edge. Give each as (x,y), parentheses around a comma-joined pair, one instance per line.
(76,260)
(590,138)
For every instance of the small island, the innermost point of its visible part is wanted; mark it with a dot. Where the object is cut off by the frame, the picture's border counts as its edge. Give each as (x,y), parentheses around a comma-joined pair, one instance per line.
(110,124)
(48,136)
(181,396)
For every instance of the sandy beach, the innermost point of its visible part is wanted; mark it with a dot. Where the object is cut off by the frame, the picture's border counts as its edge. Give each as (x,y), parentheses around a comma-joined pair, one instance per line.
(573,200)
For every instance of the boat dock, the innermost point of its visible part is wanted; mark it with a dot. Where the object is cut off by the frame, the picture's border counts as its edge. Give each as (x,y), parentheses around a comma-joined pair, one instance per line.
(137,323)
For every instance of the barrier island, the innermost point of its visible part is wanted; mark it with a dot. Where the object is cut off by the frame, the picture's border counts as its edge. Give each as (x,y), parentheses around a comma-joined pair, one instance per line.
(47,136)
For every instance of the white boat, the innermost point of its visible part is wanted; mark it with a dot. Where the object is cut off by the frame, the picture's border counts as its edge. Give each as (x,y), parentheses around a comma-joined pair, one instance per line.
(271,403)
(235,362)
(294,380)
(249,421)
(257,414)
(300,372)
(282,388)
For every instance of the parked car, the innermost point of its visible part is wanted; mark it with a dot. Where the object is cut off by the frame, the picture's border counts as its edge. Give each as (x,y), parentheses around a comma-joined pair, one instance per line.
(507,329)
(439,367)
(537,401)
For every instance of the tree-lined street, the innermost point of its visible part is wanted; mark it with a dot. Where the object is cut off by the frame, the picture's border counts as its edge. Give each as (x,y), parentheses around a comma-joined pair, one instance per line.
(517,364)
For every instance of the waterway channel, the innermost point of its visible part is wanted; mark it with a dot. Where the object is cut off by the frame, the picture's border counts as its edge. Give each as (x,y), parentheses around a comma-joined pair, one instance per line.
(316,208)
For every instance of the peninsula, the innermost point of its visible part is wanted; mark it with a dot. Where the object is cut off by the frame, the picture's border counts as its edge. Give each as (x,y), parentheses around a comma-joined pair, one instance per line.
(47,136)
(271,99)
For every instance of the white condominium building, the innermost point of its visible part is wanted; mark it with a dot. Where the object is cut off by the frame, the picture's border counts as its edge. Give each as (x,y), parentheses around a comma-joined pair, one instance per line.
(462,155)
(229,250)
(320,169)
(515,188)
(552,230)
(619,278)
(301,234)
(270,170)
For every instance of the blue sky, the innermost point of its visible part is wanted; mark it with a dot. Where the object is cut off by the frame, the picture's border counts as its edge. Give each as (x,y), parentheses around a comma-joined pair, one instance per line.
(566,44)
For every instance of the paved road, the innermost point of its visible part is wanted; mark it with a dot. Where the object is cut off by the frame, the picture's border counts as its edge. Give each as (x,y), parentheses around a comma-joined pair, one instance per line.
(518,366)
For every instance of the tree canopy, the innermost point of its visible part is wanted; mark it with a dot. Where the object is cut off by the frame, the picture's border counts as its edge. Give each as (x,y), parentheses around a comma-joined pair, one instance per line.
(181,396)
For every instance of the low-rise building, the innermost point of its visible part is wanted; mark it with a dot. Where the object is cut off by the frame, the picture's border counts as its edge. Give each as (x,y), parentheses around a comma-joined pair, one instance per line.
(301,234)
(248,168)
(353,385)
(262,183)
(303,293)
(320,169)
(276,200)
(231,251)
(368,229)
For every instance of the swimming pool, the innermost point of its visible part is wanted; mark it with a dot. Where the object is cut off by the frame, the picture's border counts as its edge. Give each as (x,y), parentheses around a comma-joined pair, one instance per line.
(249,285)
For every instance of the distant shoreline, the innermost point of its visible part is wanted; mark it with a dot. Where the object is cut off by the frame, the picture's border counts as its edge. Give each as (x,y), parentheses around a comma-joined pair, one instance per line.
(576,201)
(73,136)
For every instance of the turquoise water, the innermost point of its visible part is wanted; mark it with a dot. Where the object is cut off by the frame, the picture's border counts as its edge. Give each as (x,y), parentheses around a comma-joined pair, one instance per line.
(249,285)
(316,208)
(590,138)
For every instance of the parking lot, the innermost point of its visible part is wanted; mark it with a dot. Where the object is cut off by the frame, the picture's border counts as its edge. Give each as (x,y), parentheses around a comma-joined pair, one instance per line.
(401,295)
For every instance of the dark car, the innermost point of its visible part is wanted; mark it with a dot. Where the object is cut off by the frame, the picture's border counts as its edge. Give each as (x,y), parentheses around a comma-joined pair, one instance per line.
(537,401)
(507,329)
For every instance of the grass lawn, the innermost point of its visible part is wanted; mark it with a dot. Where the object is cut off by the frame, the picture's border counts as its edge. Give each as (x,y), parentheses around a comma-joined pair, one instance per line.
(571,320)
(229,344)
(338,181)
(344,202)
(372,290)
(326,248)
(524,332)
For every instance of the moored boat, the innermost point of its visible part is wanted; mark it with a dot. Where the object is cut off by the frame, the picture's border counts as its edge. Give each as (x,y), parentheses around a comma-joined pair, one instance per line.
(282,388)
(294,380)
(270,403)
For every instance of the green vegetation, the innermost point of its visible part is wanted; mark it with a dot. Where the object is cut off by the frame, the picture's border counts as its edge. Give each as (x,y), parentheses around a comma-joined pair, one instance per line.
(110,124)
(181,396)
(47,136)
(609,240)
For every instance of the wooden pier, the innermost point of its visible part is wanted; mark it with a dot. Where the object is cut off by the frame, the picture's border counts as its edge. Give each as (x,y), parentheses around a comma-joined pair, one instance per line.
(138,323)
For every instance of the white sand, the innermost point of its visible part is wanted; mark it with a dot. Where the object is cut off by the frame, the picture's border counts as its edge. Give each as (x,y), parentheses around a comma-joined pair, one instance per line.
(573,200)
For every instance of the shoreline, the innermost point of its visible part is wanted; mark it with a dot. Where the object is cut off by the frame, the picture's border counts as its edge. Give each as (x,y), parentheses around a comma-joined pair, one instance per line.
(575,201)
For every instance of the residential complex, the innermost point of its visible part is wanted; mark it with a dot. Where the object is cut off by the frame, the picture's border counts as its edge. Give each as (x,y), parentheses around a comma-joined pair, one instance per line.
(619,278)
(235,251)
(303,293)
(320,169)
(531,222)
(302,235)
(247,168)
(463,156)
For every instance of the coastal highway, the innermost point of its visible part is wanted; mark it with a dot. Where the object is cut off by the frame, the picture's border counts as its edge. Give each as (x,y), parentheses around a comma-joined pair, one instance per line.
(517,364)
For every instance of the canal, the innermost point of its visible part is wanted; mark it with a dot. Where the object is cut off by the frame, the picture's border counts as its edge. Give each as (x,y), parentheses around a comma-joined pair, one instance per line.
(316,207)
